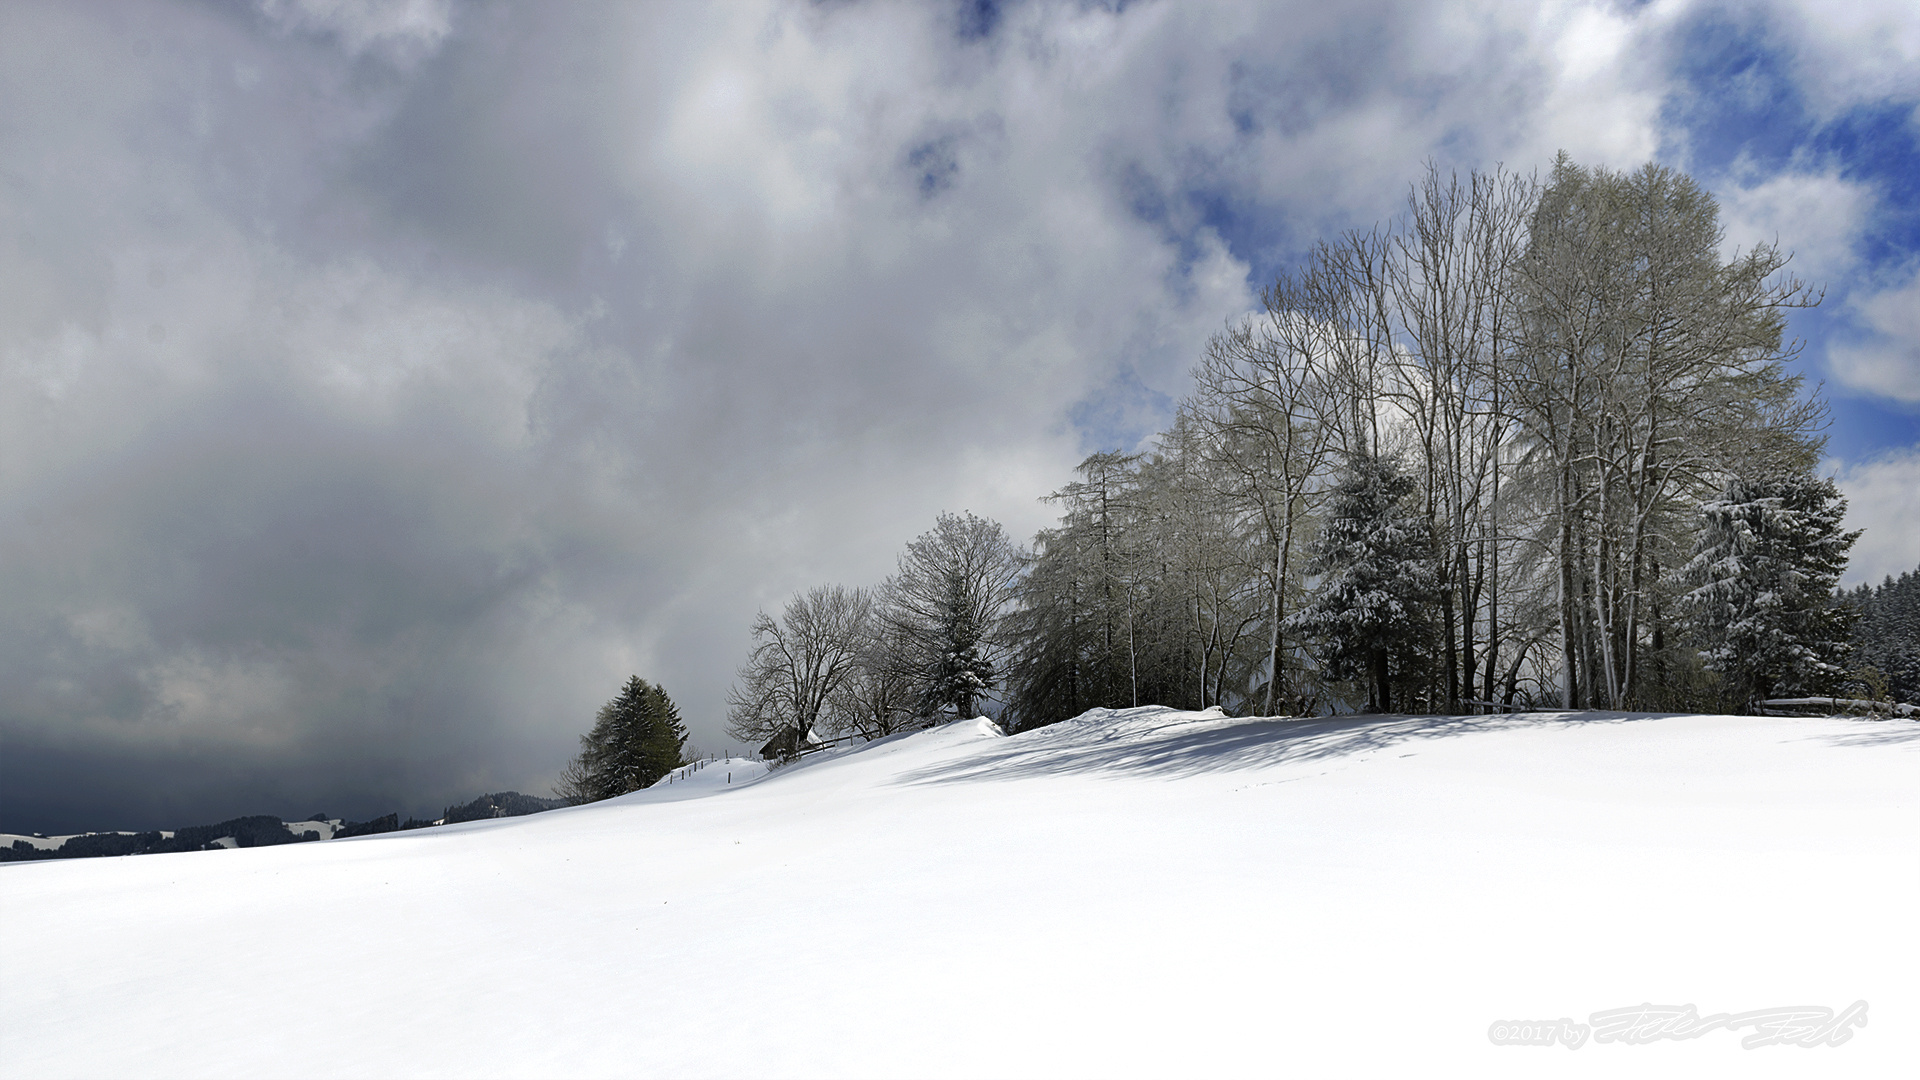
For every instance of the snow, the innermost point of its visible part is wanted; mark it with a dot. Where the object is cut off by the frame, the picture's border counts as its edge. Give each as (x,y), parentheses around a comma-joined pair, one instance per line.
(320,830)
(704,777)
(52,843)
(1133,893)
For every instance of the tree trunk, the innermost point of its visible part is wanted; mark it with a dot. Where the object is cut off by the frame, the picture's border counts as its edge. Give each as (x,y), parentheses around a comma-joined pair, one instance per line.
(1569,643)
(1383,692)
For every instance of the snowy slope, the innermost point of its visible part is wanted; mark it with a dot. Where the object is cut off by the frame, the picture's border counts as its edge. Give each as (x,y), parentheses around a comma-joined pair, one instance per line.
(1146,893)
(319,830)
(712,775)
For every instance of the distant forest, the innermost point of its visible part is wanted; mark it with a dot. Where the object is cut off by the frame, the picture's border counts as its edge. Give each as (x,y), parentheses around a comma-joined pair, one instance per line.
(1886,639)
(262,830)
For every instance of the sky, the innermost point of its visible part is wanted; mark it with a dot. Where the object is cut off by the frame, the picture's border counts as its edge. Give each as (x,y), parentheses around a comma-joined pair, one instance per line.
(382,384)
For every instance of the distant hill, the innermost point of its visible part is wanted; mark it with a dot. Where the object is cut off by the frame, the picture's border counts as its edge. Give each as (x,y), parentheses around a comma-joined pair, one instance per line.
(260,830)
(504,804)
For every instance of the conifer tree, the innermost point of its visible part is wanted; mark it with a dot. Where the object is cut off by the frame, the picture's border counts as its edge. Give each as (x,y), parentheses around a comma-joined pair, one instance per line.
(945,609)
(960,675)
(1374,556)
(1079,612)
(1764,570)
(636,739)
(1647,368)
(1886,639)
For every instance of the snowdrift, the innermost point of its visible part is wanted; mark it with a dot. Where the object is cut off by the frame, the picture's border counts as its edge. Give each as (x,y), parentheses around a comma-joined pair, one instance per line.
(1134,893)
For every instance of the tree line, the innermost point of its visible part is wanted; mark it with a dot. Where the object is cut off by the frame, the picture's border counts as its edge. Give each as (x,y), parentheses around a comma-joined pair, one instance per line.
(1534,442)
(931,640)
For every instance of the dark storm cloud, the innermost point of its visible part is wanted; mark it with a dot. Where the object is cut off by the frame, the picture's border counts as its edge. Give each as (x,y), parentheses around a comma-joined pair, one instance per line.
(380,385)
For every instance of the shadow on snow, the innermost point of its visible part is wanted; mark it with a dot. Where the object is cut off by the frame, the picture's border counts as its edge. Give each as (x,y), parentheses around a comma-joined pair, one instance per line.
(1877,732)
(1155,741)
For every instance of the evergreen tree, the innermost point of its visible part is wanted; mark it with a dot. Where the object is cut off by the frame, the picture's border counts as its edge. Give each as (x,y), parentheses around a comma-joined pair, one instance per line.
(961,676)
(636,739)
(1764,571)
(1374,556)
(1886,639)
(945,609)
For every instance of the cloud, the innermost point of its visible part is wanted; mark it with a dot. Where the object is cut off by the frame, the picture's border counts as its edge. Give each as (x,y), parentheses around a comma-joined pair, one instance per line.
(360,460)
(1817,216)
(405,31)
(1603,100)
(1866,51)
(1885,357)
(1883,500)
(380,385)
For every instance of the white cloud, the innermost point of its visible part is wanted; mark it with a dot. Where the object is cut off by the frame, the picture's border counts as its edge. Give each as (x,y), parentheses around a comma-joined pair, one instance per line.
(1859,51)
(1817,216)
(1883,500)
(1886,358)
(1603,96)
(447,503)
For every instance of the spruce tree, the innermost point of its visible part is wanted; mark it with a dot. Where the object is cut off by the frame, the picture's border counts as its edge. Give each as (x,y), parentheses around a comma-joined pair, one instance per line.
(1374,556)
(636,739)
(961,676)
(1763,602)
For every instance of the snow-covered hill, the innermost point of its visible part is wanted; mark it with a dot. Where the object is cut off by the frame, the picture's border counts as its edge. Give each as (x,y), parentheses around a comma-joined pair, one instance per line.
(319,830)
(1144,893)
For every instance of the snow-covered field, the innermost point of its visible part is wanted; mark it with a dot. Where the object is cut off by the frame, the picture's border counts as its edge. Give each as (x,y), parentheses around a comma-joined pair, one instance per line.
(1146,893)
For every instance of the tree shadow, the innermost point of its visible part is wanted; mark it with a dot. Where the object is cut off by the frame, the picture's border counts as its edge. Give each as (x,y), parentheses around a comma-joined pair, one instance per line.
(1877,732)
(1156,741)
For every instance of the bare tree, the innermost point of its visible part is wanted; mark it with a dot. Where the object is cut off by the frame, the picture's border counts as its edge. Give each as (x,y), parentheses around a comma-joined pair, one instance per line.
(1566,370)
(876,699)
(1265,398)
(1450,277)
(799,662)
